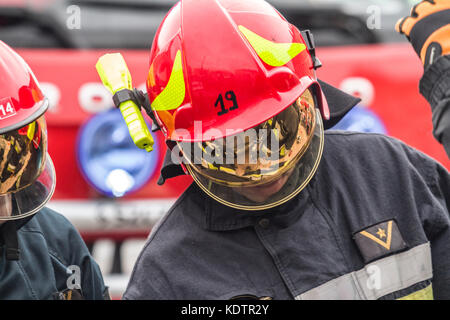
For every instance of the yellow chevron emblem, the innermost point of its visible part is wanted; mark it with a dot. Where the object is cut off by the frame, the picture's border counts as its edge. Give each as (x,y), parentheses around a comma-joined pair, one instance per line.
(272,53)
(381,234)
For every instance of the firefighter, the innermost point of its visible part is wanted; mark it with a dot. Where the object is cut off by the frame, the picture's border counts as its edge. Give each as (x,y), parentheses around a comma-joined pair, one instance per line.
(42,256)
(279,207)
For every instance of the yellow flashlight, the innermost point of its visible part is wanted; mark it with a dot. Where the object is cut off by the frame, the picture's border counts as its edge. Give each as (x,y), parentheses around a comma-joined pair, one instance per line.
(116,77)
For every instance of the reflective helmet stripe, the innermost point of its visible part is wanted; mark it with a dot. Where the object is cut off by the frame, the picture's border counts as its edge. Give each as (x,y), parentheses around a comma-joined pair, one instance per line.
(173,94)
(273,54)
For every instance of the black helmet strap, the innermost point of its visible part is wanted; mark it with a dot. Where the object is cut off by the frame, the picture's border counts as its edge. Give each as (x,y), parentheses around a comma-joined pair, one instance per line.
(8,237)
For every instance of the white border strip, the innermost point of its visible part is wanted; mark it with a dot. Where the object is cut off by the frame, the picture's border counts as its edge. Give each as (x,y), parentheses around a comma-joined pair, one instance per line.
(107,215)
(378,278)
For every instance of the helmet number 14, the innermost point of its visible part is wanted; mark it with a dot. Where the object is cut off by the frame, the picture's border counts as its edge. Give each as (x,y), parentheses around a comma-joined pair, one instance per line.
(6,109)
(229,96)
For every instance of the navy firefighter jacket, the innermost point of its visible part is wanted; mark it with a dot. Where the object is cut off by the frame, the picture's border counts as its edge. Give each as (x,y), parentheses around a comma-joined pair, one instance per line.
(373,223)
(53,262)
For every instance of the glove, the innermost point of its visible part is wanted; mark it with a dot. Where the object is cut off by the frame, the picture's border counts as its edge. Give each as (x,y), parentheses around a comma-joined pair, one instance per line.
(428,29)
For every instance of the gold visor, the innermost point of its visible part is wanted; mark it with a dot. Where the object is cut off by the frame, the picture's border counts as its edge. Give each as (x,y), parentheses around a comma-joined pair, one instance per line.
(262,167)
(27,177)
(22,156)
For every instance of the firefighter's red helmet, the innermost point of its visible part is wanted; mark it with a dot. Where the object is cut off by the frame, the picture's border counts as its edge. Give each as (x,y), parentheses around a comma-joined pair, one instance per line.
(227,63)
(219,68)
(27,176)
(21,98)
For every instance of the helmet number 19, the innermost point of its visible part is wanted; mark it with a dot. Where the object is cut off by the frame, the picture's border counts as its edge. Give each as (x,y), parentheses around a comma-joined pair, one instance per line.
(230,96)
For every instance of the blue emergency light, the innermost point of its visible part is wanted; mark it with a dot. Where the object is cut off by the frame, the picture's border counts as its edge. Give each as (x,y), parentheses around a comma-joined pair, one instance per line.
(108,158)
(361,119)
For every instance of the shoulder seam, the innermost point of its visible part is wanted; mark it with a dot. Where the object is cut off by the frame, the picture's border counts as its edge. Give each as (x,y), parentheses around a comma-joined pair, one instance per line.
(373,134)
(163,219)
(51,250)
(355,133)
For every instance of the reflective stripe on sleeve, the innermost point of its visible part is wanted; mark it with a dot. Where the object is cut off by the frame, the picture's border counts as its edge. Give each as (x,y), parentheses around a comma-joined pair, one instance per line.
(424,294)
(378,278)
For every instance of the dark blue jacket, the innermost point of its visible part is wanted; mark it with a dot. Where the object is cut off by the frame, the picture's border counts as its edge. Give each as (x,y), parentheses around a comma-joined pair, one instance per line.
(373,223)
(54,263)
(435,87)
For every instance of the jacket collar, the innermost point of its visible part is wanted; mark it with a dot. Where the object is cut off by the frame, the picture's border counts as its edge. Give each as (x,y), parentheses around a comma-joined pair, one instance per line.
(218,217)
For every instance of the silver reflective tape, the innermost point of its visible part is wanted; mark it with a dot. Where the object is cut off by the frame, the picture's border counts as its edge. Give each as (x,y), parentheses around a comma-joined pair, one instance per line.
(378,278)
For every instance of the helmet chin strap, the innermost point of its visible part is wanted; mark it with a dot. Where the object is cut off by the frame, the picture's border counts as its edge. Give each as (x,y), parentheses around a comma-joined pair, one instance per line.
(8,235)
(8,230)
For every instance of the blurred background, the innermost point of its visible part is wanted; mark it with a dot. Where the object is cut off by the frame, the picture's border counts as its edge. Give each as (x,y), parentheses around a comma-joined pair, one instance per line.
(105,185)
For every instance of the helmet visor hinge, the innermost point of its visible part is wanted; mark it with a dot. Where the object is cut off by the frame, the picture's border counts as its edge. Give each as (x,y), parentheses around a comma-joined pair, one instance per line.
(309,39)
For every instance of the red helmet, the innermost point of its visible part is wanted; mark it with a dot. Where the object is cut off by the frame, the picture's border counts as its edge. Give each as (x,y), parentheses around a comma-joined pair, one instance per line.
(230,64)
(27,177)
(221,67)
